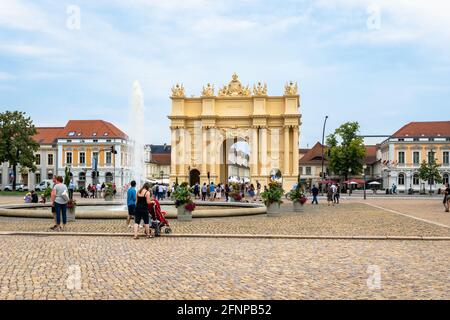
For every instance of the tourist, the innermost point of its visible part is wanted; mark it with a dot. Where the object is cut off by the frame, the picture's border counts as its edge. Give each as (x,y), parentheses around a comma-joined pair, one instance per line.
(258,189)
(334,192)
(60,199)
(71,189)
(251,193)
(131,202)
(27,198)
(98,190)
(212,192)
(197,191)
(227,192)
(337,194)
(141,212)
(204,191)
(160,192)
(315,193)
(330,195)
(34,197)
(446,201)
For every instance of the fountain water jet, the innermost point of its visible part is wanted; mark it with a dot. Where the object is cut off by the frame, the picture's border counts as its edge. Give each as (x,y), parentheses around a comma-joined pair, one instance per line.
(137,132)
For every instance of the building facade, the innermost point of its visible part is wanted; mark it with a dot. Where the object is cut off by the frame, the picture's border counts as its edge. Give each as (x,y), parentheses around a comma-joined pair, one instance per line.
(403,153)
(157,162)
(82,146)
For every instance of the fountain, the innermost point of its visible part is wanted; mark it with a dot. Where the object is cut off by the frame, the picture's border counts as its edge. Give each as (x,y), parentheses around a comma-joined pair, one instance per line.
(137,133)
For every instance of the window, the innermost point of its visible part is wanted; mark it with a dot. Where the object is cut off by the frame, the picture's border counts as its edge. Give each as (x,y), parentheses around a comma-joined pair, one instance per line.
(38,178)
(95,140)
(301,170)
(108,140)
(416,180)
(38,159)
(401,139)
(69,141)
(71,133)
(82,158)
(431,139)
(69,157)
(94,134)
(401,157)
(50,176)
(416,139)
(308,171)
(401,179)
(431,156)
(108,157)
(50,159)
(445,178)
(416,157)
(95,159)
(445,158)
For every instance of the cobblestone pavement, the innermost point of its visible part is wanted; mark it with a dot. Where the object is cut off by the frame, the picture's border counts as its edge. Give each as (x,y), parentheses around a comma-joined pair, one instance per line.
(347,219)
(424,209)
(172,268)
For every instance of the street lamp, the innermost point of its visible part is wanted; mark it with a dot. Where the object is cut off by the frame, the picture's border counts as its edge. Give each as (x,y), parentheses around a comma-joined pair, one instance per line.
(364,168)
(349,184)
(323,142)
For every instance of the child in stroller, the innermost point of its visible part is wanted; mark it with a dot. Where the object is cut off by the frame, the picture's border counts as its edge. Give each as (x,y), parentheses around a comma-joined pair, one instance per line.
(158,220)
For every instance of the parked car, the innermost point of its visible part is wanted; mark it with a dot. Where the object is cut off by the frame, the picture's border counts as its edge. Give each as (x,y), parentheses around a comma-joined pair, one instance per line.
(19,187)
(43,185)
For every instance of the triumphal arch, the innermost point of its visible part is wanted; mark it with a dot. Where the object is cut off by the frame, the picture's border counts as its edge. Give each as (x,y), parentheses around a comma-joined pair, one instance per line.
(204,128)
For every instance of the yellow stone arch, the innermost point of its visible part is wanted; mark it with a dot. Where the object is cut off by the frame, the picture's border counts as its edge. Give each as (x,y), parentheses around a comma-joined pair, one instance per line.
(200,125)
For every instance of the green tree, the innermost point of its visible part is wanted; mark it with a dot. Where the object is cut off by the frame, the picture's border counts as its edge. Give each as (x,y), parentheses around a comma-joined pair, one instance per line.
(429,171)
(346,150)
(67,176)
(17,146)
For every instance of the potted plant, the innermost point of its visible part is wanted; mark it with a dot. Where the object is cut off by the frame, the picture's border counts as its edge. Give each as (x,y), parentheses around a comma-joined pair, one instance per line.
(183,202)
(298,198)
(71,206)
(272,198)
(235,194)
(109,192)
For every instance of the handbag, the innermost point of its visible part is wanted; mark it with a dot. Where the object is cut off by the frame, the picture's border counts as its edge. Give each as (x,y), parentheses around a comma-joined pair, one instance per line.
(65,196)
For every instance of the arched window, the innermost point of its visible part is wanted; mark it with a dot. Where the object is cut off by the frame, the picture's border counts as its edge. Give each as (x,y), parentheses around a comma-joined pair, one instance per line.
(108,177)
(401,179)
(446,178)
(416,179)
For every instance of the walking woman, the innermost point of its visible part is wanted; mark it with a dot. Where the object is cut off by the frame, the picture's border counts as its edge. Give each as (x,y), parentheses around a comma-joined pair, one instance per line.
(446,197)
(60,197)
(141,212)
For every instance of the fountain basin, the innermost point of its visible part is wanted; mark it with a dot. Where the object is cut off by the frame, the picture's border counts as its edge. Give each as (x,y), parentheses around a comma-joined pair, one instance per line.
(117,210)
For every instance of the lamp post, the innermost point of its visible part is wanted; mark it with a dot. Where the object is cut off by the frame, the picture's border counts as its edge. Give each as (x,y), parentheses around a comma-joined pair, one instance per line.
(323,142)
(364,168)
(349,184)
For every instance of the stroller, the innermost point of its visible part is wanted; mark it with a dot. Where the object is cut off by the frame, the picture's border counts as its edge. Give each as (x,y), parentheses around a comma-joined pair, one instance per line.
(158,220)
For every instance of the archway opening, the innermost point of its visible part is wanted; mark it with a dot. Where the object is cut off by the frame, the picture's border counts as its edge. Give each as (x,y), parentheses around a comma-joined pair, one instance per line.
(194,177)
(235,164)
(275,175)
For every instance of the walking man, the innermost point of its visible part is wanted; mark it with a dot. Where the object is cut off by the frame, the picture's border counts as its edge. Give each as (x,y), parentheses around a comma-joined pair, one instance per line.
(315,193)
(131,202)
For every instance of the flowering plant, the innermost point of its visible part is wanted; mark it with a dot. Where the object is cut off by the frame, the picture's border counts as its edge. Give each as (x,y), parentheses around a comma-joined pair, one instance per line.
(297,194)
(71,204)
(273,194)
(190,206)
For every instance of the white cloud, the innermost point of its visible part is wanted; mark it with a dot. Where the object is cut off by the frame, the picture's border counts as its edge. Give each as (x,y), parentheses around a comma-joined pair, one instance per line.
(16,14)
(6,76)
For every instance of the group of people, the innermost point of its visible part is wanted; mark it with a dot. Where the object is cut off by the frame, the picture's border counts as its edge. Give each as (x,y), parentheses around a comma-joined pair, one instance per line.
(333,194)
(98,190)
(211,191)
(31,197)
(446,201)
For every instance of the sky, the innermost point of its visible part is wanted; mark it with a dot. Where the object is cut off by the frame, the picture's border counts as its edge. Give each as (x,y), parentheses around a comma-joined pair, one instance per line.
(382,63)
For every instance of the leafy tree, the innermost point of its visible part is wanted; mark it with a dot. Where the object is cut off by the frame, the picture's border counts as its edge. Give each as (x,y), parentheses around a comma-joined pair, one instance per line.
(429,171)
(346,150)
(17,146)
(67,176)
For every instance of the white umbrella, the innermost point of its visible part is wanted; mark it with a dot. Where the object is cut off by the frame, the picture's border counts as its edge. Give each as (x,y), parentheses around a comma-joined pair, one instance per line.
(353,182)
(374,183)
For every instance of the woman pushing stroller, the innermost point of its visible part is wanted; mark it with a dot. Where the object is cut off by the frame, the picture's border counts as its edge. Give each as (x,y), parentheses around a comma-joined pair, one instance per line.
(142,210)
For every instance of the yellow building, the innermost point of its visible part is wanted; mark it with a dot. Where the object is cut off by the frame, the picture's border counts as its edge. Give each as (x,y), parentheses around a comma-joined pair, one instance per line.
(204,128)
(403,153)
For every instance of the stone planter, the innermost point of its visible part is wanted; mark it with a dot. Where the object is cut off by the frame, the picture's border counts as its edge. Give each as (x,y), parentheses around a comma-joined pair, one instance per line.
(183,214)
(298,207)
(273,210)
(108,198)
(71,215)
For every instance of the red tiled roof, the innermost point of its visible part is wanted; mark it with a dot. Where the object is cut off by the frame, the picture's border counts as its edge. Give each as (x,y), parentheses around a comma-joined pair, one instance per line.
(313,155)
(47,135)
(160,158)
(91,129)
(426,129)
(371,155)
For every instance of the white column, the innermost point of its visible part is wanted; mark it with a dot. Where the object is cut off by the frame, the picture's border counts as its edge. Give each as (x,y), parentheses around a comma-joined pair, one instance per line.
(295,152)
(181,152)
(212,150)
(286,151)
(204,155)
(264,152)
(254,154)
(173,161)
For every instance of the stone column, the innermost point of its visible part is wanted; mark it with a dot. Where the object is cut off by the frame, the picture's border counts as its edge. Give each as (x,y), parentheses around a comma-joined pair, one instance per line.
(174,160)
(204,155)
(295,152)
(264,151)
(212,150)
(254,154)
(286,151)
(181,153)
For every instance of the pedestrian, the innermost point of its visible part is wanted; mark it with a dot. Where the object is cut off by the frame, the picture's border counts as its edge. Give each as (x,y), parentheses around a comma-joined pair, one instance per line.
(330,195)
(71,189)
(227,192)
(337,195)
(258,189)
(446,197)
(212,192)
(131,202)
(251,193)
(34,197)
(204,191)
(197,191)
(141,212)
(60,200)
(334,192)
(160,192)
(315,193)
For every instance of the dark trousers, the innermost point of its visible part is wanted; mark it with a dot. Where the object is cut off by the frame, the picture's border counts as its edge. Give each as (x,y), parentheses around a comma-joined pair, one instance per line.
(61,209)
(315,200)
(71,193)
